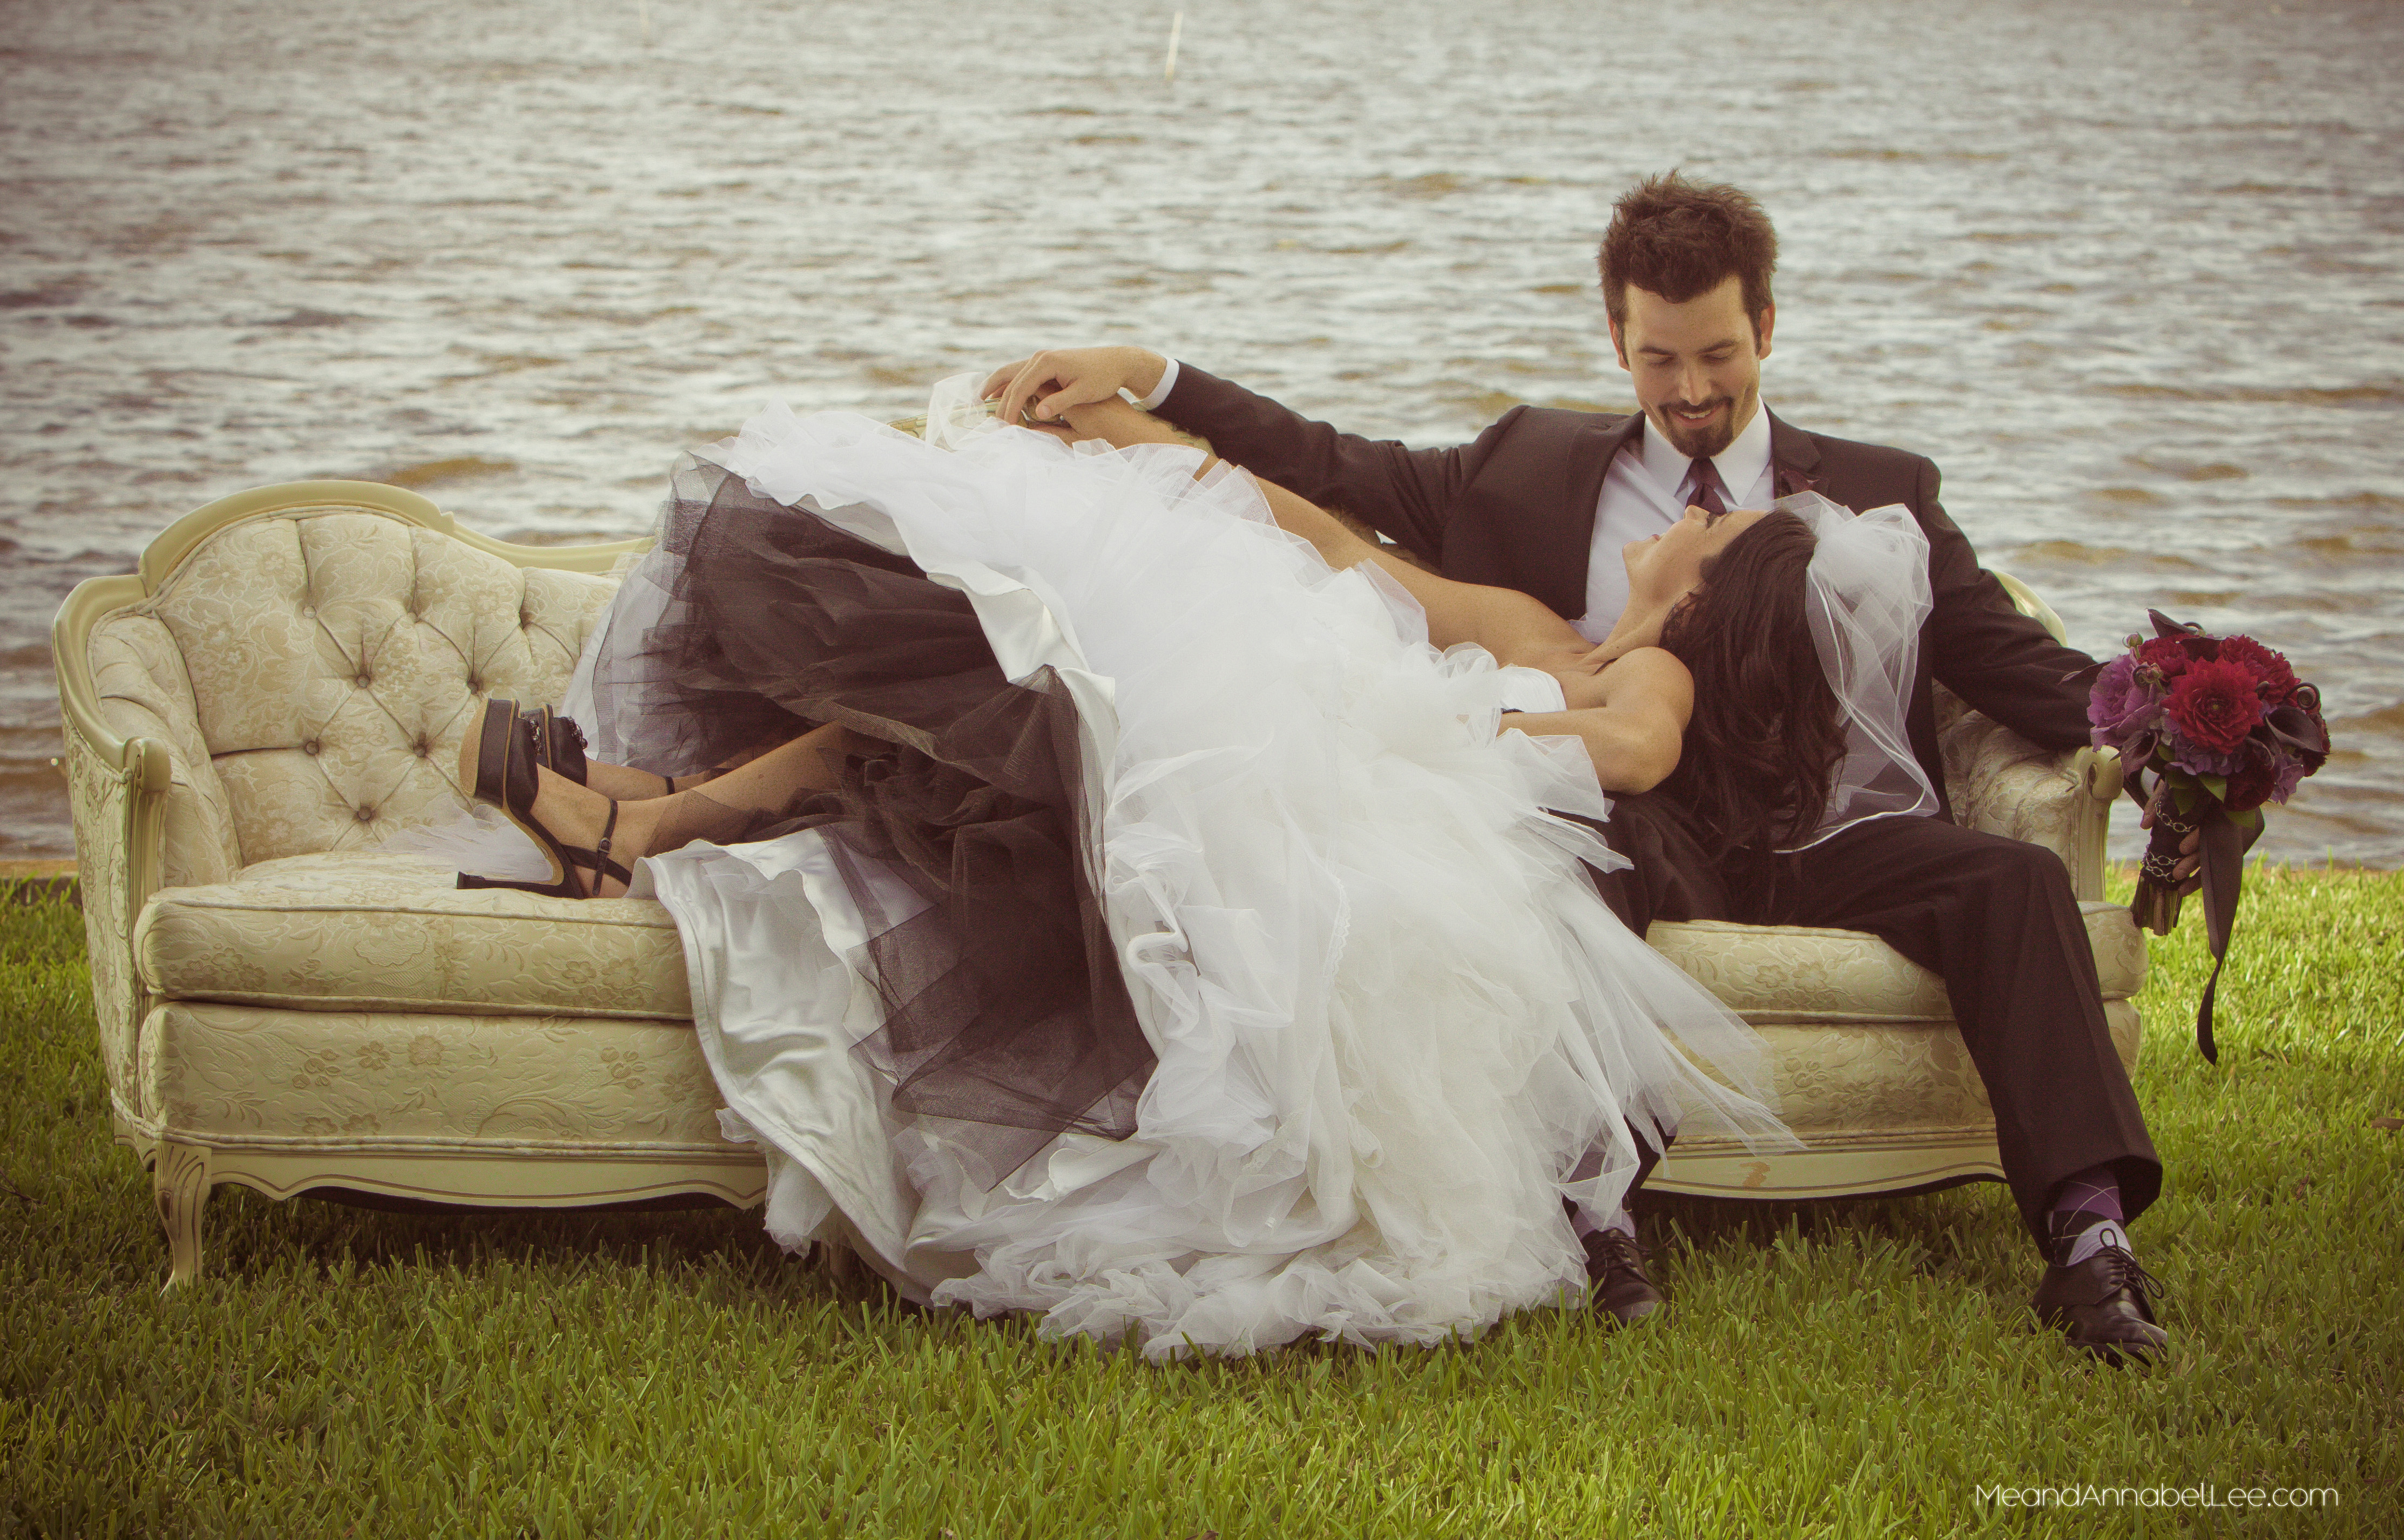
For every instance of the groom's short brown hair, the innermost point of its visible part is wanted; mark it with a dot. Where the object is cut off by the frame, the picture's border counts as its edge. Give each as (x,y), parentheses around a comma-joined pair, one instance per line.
(1681,240)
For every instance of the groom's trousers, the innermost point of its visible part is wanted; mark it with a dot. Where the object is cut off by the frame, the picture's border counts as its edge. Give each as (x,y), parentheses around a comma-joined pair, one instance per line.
(1994,917)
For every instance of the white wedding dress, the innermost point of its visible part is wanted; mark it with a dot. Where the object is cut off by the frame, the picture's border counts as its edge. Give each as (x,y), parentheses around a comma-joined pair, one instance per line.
(1395,1025)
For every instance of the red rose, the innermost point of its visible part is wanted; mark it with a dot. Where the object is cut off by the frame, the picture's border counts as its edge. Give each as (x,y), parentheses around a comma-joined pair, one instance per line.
(2169,656)
(2214,704)
(2273,680)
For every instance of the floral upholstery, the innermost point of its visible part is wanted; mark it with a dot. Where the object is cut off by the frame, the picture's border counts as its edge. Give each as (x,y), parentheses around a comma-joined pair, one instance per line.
(2005,785)
(241,1076)
(99,797)
(146,692)
(351,932)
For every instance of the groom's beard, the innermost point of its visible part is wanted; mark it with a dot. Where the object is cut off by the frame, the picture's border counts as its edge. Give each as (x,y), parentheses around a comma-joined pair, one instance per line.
(1701,440)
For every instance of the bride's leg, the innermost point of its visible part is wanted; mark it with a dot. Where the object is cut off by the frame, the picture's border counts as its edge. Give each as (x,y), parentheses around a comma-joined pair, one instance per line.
(624,783)
(732,802)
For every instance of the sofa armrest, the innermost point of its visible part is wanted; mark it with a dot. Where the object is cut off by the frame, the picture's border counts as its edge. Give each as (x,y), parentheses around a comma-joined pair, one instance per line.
(2003,784)
(118,785)
(118,792)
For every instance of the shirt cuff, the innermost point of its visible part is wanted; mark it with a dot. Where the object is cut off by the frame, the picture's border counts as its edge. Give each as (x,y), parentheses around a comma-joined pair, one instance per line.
(1160,392)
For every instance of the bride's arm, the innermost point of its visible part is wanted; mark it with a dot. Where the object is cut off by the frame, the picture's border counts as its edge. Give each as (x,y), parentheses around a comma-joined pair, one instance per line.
(1630,715)
(1515,627)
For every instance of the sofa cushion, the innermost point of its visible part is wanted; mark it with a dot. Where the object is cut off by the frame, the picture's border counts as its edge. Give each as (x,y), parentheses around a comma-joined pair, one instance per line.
(1799,973)
(364,932)
(426,1083)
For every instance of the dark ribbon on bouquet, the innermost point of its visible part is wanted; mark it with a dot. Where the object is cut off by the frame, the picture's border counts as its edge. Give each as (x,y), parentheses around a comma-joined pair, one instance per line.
(2221,848)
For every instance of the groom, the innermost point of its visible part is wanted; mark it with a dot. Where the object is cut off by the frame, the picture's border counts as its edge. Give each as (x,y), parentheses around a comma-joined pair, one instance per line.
(1542,501)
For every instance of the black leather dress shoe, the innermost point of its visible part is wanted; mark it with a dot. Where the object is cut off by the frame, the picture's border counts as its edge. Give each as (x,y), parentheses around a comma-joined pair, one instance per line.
(2100,1305)
(1616,1262)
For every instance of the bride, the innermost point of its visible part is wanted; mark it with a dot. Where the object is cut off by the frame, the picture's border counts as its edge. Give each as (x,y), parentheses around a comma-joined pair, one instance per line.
(1157,915)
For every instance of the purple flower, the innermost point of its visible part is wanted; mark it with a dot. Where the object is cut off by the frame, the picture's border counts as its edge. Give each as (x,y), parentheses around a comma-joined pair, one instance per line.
(2119,708)
(2254,778)
(2185,753)
(2291,774)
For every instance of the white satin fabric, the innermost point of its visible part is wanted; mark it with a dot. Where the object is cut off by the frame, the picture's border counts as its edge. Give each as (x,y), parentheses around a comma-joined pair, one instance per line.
(1390,1012)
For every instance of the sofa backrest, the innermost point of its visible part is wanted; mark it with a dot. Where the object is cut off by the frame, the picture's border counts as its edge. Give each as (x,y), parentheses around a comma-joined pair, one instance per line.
(313,672)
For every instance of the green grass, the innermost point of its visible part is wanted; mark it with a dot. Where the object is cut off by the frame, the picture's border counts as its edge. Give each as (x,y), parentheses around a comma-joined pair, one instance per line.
(1851,1368)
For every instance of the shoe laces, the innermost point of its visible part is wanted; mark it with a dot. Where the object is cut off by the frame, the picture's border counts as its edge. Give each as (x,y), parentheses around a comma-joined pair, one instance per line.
(1618,1251)
(2126,1273)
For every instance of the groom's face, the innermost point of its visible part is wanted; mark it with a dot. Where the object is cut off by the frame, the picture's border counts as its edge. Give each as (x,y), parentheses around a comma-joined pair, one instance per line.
(1697,365)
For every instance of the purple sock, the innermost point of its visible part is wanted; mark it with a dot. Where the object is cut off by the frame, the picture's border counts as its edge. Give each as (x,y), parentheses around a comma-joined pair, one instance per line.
(2094,1191)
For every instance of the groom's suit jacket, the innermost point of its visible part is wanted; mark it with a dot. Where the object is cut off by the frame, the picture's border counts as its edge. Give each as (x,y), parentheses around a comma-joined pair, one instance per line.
(1515,508)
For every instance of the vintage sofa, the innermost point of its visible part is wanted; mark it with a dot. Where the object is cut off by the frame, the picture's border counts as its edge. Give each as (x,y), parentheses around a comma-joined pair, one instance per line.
(284,682)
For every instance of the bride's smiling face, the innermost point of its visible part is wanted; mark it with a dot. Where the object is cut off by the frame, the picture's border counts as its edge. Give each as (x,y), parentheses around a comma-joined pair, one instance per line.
(1667,566)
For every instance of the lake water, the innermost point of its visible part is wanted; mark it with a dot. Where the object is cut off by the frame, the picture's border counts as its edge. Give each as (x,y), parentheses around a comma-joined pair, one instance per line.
(2127,273)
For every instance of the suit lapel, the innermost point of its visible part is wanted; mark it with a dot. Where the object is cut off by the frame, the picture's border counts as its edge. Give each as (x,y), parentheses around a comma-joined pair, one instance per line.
(1568,541)
(1796,458)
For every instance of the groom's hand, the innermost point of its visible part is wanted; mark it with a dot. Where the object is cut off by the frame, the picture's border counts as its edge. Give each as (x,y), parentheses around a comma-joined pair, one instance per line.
(1041,389)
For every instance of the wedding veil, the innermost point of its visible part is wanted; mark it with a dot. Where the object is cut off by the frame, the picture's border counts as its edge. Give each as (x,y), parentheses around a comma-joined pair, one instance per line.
(1867,593)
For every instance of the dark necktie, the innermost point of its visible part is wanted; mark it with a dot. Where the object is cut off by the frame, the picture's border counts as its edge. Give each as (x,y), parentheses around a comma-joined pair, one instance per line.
(1710,494)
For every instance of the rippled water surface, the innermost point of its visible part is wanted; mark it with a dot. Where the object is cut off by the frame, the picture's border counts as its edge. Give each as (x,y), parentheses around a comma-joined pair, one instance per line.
(2128,273)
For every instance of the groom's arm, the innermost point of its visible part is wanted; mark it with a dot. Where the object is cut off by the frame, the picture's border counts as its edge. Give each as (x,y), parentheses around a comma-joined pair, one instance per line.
(1976,642)
(1404,493)
(2000,662)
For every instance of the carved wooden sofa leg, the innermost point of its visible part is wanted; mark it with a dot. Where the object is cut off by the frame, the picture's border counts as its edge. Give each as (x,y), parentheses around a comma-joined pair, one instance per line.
(179,1185)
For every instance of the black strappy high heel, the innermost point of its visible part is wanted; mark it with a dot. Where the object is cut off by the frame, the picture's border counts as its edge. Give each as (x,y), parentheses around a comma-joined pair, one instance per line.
(560,747)
(509,749)
(558,744)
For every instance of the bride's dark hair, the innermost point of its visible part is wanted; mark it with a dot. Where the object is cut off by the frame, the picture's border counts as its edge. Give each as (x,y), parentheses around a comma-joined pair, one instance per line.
(1766,738)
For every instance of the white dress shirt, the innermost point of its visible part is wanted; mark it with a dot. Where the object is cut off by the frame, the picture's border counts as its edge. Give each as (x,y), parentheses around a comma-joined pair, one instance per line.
(1647,490)
(1160,392)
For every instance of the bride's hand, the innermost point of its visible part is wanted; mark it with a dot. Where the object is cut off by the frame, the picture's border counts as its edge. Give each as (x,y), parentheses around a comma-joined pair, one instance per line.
(1115,423)
(1037,390)
(2189,872)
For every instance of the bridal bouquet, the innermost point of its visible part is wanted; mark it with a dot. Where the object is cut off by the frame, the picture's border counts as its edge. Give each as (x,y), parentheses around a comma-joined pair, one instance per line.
(2225,726)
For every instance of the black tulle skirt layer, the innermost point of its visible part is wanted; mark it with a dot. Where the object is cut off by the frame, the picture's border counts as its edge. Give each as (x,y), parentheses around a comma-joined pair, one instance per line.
(751,623)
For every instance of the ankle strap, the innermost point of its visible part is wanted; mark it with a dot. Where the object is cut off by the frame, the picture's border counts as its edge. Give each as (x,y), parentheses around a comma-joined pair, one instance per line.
(597,859)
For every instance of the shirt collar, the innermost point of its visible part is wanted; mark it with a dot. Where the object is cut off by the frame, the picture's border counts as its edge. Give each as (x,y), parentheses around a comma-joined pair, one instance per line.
(1739,465)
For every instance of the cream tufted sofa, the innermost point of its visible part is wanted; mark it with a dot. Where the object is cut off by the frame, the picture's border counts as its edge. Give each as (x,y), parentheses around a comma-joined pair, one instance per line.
(284,682)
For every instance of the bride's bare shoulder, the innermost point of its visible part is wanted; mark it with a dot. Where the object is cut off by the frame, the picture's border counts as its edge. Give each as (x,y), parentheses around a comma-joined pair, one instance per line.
(1650,671)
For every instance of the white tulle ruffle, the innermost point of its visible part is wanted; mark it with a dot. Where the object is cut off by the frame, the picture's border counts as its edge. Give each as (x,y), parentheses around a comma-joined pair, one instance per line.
(1390,1012)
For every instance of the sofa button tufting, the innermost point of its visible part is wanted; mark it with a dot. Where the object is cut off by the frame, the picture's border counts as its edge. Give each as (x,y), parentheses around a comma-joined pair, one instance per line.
(477,686)
(422,746)
(366,815)
(364,679)
(313,746)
